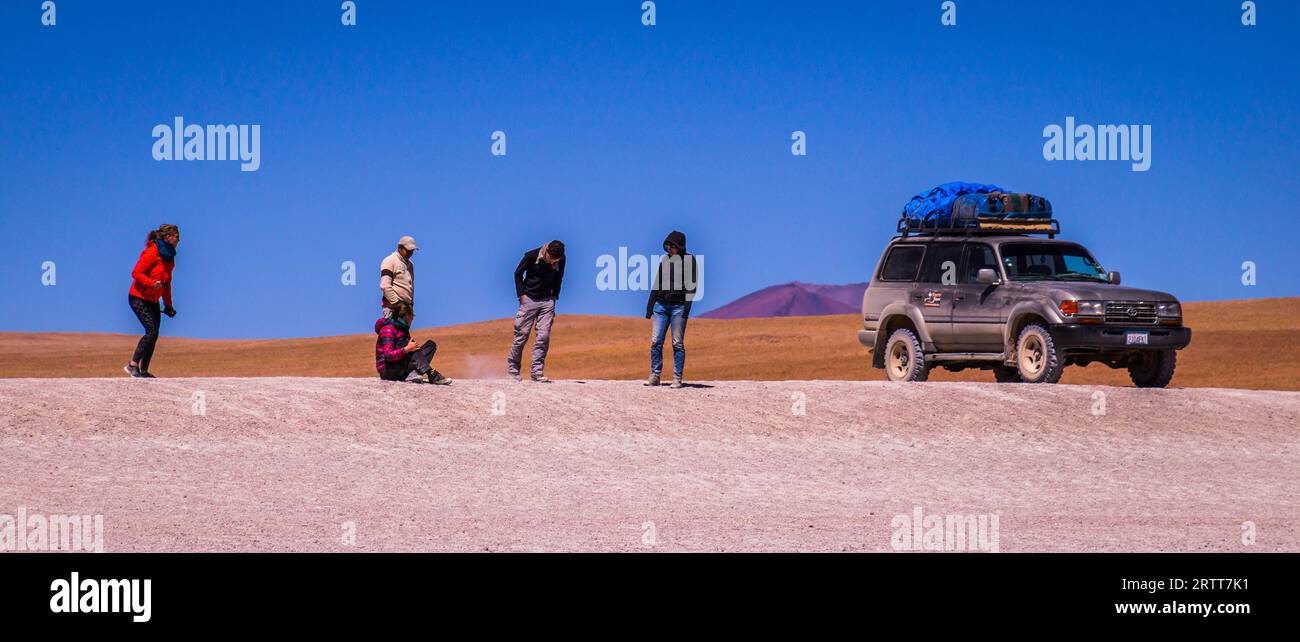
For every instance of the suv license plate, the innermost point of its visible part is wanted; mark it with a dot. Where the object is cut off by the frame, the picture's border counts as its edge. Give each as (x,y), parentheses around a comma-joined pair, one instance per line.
(1135,338)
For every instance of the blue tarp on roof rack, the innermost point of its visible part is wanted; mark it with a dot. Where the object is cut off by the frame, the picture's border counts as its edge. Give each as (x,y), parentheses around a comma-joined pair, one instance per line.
(974,208)
(935,206)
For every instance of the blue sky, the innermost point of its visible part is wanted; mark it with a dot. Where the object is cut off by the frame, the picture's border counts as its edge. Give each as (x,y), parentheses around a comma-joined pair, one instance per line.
(617,133)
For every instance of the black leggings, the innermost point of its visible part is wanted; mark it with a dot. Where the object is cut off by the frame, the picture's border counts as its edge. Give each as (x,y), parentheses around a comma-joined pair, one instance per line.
(418,361)
(150,315)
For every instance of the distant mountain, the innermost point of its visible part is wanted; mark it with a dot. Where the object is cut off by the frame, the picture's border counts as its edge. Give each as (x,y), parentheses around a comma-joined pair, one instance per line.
(793,300)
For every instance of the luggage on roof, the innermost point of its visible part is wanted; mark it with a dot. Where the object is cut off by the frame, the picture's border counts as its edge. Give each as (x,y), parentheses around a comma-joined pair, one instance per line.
(935,206)
(974,207)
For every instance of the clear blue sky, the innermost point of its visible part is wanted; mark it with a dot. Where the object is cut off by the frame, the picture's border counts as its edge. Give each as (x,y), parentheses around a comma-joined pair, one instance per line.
(617,133)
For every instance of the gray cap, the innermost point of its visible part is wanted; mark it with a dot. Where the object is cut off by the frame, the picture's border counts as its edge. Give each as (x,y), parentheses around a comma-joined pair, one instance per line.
(407,242)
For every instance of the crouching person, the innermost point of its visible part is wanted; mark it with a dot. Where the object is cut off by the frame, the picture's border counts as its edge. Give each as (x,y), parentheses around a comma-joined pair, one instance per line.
(397,357)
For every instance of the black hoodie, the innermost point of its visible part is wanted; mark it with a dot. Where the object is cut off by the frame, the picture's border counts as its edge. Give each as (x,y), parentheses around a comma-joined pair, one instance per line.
(674,282)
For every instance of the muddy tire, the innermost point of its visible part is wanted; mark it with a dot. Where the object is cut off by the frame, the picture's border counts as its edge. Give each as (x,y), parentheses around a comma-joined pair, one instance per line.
(1155,370)
(1037,360)
(904,360)
(1006,374)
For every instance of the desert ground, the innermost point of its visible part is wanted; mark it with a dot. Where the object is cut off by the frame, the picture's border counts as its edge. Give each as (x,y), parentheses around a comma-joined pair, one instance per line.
(1251,344)
(296,464)
(778,445)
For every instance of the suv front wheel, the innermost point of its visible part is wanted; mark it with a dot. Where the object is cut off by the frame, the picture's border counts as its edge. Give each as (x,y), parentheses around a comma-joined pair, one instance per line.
(1154,369)
(904,360)
(1036,356)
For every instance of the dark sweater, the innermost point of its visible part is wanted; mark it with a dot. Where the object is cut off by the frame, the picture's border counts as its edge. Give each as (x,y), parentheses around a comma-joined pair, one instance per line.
(674,281)
(538,279)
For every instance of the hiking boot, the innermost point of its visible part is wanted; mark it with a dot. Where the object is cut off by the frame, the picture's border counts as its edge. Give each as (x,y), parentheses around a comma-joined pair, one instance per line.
(677,382)
(144,374)
(653,380)
(413,377)
(132,370)
(436,378)
(540,378)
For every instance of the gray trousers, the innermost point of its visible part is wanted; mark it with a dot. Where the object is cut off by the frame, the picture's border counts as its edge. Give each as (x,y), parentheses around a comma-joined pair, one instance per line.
(532,313)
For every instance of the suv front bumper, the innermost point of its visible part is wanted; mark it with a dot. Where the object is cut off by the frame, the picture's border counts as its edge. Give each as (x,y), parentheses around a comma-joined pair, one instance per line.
(1069,336)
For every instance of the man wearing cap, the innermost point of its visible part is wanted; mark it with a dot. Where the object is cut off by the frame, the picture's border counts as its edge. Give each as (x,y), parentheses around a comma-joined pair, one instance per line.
(397,276)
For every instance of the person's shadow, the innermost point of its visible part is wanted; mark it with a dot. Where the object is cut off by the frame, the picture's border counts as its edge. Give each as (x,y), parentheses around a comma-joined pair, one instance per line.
(662,384)
(665,384)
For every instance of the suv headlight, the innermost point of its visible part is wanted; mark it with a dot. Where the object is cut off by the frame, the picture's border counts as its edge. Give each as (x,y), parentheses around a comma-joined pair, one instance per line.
(1084,311)
(1169,310)
(1092,308)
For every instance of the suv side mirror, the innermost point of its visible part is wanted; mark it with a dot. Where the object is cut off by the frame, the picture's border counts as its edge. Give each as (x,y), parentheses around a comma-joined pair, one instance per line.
(1113,277)
(986,276)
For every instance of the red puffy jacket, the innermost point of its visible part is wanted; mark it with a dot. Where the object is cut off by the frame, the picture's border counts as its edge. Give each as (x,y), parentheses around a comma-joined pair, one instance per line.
(151,269)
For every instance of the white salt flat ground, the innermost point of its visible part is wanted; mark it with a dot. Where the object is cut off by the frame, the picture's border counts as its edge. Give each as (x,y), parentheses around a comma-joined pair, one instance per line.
(291,464)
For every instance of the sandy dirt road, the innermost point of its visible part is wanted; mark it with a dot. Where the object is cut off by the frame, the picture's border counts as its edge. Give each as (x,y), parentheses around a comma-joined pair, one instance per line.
(296,464)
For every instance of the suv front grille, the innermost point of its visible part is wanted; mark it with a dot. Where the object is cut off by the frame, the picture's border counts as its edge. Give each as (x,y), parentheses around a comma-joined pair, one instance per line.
(1131,312)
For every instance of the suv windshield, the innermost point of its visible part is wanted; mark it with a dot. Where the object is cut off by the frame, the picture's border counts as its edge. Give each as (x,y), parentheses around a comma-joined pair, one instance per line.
(1050,262)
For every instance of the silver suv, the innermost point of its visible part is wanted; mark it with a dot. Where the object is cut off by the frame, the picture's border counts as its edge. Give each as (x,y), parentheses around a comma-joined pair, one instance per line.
(1021,306)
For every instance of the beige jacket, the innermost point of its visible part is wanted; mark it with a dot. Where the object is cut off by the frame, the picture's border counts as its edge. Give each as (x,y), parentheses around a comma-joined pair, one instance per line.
(397,279)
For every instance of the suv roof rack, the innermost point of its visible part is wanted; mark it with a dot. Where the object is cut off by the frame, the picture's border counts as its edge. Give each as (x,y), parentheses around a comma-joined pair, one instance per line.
(981,226)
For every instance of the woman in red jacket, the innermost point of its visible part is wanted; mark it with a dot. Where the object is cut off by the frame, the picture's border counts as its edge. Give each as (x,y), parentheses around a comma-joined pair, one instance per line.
(151,280)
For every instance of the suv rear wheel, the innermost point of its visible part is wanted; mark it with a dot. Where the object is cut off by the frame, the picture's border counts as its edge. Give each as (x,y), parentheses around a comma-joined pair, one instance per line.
(904,360)
(1154,369)
(1036,357)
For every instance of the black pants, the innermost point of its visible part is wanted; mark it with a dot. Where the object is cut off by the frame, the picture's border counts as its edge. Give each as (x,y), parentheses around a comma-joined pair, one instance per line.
(150,315)
(420,361)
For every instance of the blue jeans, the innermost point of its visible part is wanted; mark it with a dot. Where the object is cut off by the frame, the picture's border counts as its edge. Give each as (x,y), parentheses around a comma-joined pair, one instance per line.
(662,318)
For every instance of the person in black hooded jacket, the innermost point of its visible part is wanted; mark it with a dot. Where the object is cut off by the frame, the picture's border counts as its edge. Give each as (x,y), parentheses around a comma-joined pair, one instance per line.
(675,283)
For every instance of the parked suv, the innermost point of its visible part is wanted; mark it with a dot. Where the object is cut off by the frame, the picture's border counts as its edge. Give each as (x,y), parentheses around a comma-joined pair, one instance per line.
(1022,306)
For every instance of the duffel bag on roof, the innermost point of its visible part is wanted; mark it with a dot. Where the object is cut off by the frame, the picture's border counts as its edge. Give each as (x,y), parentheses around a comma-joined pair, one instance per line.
(970,208)
(934,208)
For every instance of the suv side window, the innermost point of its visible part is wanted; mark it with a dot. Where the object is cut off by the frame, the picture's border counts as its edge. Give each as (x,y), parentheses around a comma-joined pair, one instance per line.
(902,263)
(942,259)
(978,257)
